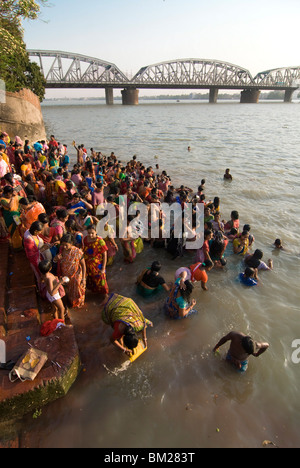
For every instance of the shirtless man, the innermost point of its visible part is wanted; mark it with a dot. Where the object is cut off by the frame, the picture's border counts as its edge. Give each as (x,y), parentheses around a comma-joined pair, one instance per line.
(227,175)
(241,348)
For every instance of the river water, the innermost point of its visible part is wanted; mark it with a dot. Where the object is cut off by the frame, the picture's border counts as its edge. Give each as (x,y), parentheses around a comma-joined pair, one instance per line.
(178,394)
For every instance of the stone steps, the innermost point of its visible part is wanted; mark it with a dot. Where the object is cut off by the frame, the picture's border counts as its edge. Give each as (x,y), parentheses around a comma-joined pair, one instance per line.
(20,322)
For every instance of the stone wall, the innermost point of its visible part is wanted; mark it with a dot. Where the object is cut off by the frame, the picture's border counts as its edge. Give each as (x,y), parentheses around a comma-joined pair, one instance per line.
(21,115)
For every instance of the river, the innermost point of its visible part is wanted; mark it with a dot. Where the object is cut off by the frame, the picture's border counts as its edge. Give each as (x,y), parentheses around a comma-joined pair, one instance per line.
(178,394)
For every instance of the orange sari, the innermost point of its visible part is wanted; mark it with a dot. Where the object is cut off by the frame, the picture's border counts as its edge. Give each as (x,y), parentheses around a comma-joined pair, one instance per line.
(29,216)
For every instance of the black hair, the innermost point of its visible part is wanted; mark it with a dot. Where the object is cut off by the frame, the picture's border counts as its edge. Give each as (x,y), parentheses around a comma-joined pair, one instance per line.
(156,267)
(83,212)
(45,266)
(216,202)
(249,272)
(258,254)
(130,338)
(7,190)
(186,293)
(248,344)
(61,214)
(43,218)
(217,246)
(208,264)
(36,226)
(66,239)
(255,260)
(252,262)
(9,177)
(71,224)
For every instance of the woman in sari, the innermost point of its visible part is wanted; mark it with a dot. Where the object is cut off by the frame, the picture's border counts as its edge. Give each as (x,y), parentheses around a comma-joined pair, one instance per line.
(49,237)
(125,317)
(11,215)
(109,238)
(58,223)
(95,255)
(71,228)
(50,190)
(70,263)
(60,190)
(34,248)
(8,180)
(128,245)
(179,304)
(10,206)
(31,209)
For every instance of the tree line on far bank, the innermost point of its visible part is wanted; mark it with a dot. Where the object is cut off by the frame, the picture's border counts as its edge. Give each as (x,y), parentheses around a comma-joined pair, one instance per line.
(272,96)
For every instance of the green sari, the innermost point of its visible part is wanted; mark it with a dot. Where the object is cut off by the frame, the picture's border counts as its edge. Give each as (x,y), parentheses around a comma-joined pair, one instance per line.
(9,213)
(123,309)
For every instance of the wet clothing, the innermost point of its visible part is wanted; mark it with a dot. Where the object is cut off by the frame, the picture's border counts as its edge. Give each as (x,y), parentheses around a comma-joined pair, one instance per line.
(244,364)
(174,303)
(250,282)
(125,310)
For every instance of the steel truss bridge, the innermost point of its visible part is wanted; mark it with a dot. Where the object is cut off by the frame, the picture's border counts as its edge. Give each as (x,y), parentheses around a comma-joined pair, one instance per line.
(67,70)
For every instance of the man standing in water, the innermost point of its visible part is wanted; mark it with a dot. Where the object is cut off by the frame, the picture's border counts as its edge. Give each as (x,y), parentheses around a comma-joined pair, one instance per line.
(241,348)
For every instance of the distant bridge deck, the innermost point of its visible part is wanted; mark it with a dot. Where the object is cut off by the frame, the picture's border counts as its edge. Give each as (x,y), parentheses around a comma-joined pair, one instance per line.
(68,70)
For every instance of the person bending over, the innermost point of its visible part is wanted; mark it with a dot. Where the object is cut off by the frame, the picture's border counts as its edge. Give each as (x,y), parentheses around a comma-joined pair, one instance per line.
(241,348)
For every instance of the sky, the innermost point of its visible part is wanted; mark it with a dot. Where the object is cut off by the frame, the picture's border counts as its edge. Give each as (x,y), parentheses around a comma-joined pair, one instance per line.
(257,35)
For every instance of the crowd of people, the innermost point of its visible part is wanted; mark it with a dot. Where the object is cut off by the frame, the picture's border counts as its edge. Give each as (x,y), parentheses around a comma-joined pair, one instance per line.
(52,208)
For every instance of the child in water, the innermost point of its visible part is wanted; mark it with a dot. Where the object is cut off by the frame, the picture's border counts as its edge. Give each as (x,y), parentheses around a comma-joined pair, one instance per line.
(278,244)
(55,291)
(249,277)
(234,222)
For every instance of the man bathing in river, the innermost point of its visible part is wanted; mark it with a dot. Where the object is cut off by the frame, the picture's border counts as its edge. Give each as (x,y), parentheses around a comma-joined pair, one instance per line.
(241,348)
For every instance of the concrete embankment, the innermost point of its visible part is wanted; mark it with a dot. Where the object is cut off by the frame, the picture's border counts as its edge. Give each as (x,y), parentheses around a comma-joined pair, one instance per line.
(21,115)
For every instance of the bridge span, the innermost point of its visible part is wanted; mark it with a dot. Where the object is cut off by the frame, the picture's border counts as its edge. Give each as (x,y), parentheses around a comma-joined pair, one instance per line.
(68,70)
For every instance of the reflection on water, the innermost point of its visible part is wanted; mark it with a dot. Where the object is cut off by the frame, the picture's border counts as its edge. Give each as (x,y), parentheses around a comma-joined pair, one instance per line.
(178,394)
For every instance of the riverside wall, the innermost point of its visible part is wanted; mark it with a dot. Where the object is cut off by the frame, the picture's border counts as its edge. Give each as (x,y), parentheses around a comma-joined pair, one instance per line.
(21,115)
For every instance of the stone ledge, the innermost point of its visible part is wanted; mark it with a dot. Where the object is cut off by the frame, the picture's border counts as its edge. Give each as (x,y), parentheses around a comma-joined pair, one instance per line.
(20,398)
(19,322)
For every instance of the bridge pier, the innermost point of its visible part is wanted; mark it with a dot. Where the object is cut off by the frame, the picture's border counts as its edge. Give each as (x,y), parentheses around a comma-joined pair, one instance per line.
(213,95)
(130,97)
(109,96)
(250,96)
(288,95)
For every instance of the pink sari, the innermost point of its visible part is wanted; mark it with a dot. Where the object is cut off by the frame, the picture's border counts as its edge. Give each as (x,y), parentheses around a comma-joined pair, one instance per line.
(32,248)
